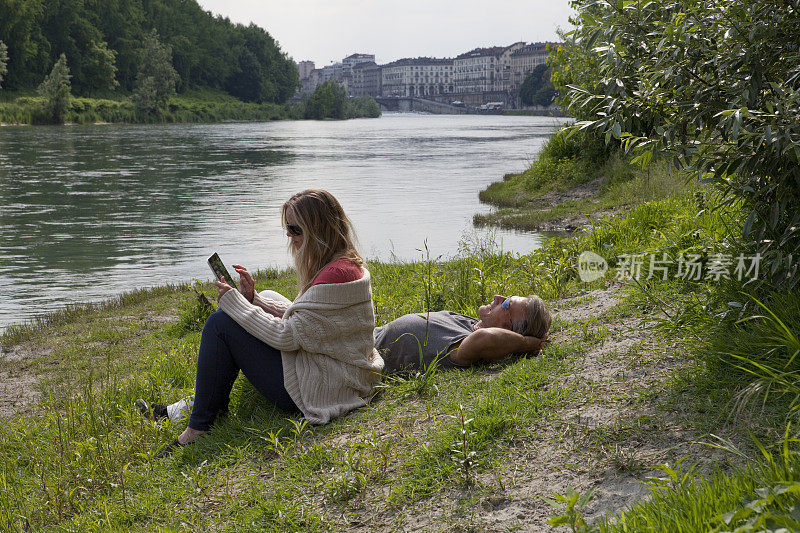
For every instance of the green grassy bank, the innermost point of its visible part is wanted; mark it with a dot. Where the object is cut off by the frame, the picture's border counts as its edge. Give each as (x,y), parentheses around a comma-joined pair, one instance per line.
(191,106)
(573,181)
(744,332)
(437,450)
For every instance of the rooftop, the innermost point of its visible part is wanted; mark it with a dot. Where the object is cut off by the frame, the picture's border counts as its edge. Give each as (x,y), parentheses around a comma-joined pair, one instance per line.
(483,52)
(360,56)
(534,48)
(419,61)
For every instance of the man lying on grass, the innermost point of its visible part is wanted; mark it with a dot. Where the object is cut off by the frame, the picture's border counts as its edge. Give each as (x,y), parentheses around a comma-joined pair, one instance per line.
(507,325)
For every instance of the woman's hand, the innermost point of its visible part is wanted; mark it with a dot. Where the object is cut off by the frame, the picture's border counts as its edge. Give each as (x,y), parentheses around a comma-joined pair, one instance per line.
(222,287)
(247,282)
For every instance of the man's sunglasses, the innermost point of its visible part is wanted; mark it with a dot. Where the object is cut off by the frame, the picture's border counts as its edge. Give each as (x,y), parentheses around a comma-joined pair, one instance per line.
(506,303)
(294,229)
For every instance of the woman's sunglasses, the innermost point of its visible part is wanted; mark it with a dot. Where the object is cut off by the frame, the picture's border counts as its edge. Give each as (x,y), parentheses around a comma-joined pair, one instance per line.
(294,229)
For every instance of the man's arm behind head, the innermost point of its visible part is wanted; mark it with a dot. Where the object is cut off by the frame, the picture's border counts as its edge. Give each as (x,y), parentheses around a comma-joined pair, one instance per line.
(491,344)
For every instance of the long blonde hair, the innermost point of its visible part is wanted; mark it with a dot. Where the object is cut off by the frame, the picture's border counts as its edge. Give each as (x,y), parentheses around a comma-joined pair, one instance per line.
(327,233)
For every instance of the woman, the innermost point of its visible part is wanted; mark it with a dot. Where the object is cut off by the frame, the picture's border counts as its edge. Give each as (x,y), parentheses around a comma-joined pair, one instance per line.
(315,354)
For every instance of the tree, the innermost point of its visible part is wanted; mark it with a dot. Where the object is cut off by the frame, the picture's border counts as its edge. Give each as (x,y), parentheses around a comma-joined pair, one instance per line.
(537,89)
(246,83)
(329,100)
(121,23)
(3,60)
(100,72)
(28,51)
(261,68)
(363,107)
(156,79)
(55,89)
(711,86)
(101,38)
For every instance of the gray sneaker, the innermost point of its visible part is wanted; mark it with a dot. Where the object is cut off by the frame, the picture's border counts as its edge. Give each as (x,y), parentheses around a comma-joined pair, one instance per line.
(180,410)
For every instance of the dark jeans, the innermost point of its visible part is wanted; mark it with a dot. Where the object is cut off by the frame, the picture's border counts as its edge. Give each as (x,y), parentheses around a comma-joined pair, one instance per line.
(226,348)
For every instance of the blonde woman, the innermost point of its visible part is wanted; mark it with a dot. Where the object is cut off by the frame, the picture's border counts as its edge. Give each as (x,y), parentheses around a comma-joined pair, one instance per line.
(316,354)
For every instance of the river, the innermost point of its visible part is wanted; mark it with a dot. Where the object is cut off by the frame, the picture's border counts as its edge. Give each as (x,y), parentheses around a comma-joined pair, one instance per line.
(87,212)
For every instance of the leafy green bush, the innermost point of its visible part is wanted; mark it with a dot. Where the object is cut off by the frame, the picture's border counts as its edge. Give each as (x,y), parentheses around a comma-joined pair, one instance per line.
(713,87)
(329,100)
(363,107)
(569,144)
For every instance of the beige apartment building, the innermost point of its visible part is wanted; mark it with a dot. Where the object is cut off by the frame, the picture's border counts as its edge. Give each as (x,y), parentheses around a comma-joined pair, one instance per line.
(420,77)
(475,71)
(366,79)
(523,60)
(485,69)
(495,73)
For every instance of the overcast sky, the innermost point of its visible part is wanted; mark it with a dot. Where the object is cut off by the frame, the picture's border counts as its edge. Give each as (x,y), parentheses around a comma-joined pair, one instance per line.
(325,31)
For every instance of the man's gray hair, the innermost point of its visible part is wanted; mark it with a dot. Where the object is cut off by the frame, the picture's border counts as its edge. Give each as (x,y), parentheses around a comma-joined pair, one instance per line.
(537,319)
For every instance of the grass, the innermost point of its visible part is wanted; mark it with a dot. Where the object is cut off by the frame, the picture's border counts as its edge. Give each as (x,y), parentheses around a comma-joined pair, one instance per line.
(91,467)
(432,449)
(764,495)
(574,180)
(195,105)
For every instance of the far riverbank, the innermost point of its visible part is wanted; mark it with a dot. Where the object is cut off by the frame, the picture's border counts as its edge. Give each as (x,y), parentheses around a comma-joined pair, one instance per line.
(194,106)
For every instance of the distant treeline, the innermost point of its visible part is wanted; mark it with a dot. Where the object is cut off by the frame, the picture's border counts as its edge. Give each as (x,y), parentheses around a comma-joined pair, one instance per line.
(102,41)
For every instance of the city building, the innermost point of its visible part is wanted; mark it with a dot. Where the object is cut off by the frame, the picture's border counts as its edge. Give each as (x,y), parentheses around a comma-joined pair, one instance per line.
(341,72)
(478,77)
(504,77)
(485,69)
(354,59)
(475,71)
(525,59)
(304,68)
(366,79)
(495,74)
(422,77)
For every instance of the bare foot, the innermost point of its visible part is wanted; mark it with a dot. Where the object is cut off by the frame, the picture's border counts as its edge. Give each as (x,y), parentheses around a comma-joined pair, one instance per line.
(189,435)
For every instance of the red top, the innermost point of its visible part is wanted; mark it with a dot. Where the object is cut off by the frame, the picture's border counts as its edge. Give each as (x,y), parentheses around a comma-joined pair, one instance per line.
(339,271)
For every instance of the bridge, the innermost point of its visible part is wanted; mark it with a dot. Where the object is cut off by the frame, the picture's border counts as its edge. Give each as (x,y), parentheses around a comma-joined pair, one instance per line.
(407,103)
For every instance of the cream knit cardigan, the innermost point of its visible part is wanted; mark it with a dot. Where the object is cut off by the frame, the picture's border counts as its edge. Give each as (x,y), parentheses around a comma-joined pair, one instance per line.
(330,363)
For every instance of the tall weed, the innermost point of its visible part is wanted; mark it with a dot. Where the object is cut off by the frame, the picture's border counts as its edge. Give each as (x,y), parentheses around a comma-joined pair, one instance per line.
(763,496)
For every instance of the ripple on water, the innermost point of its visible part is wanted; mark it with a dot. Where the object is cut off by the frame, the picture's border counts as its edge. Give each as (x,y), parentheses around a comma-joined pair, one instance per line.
(143,205)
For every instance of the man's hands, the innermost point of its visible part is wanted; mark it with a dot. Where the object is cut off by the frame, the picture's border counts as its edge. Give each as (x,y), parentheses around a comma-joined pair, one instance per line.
(247,282)
(535,344)
(490,344)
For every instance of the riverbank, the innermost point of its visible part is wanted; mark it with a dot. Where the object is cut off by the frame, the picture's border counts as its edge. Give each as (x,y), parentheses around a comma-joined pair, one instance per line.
(619,391)
(190,107)
(733,327)
(574,182)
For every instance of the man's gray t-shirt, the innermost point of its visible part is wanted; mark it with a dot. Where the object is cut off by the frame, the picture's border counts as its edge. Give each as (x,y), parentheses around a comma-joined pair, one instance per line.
(400,341)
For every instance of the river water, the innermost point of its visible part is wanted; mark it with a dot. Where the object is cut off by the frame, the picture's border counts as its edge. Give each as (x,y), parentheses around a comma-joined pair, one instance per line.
(87,212)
